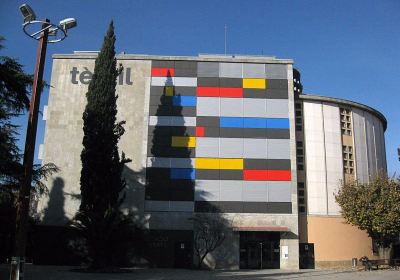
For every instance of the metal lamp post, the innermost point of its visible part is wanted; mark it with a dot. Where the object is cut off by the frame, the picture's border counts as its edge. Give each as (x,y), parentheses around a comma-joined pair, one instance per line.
(56,33)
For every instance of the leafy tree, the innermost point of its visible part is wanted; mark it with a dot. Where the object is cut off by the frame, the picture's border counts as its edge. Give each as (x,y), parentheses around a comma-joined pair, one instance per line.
(15,87)
(209,232)
(100,219)
(373,207)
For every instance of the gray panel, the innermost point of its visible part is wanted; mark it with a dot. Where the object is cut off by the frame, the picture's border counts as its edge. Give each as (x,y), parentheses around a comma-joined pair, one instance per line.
(163,64)
(160,100)
(230,148)
(156,91)
(231,174)
(277,133)
(208,82)
(230,70)
(181,206)
(231,107)
(160,130)
(185,69)
(255,133)
(277,108)
(255,191)
(278,149)
(231,82)
(254,107)
(370,144)
(184,111)
(230,206)
(185,91)
(228,132)
(255,164)
(243,207)
(231,190)
(207,147)
(155,206)
(276,71)
(254,93)
(279,191)
(208,69)
(183,130)
(277,84)
(278,164)
(255,148)
(208,106)
(277,93)
(160,111)
(253,70)
(207,174)
(208,121)
(211,132)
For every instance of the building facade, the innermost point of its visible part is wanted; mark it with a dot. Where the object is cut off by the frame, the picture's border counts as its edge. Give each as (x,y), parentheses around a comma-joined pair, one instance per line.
(227,136)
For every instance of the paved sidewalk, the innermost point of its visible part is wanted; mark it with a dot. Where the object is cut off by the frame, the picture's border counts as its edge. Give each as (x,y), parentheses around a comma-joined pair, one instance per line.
(64,273)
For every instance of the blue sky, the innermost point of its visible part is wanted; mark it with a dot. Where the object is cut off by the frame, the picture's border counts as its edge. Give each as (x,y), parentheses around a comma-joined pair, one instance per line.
(345,49)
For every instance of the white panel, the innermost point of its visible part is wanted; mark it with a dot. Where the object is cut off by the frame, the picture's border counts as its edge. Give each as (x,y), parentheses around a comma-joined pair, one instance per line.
(255,107)
(183,162)
(231,190)
(360,146)
(231,147)
(208,106)
(231,107)
(278,148)
(45,111)
(315,159)
(162,81)
(154,205)
(185,82)
(255,191)
(181,206)
(279,191)
(369,129)
(334,158)
(40,155)
(207,190)
(277,108)
(207,147)
(255,148)
(172,121)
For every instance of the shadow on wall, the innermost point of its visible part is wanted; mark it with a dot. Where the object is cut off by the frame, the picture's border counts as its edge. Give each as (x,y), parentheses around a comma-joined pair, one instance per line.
(54,214)
(171,179)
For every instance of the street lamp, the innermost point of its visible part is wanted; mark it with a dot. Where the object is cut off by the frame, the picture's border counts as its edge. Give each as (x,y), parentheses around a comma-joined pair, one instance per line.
(45,30)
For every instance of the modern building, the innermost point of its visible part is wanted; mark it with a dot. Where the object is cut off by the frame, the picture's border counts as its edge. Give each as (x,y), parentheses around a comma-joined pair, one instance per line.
(229,136)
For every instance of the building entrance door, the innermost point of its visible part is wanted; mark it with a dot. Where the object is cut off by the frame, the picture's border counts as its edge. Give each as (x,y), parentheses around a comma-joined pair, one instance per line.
(259,250)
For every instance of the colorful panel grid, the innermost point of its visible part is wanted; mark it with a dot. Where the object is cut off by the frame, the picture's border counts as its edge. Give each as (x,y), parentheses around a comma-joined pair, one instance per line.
(218,138)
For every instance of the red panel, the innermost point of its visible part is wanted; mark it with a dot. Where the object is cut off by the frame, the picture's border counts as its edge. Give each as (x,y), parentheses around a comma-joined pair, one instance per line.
(231,92)
(267,175)
(162,72)
(254,175)
(200,131)
(208,91)
(279,175)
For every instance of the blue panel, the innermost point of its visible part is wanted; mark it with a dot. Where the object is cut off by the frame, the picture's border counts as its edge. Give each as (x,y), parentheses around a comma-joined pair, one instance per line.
(278,123)
(255,123)
(184,100)
(183,173)
(230,122)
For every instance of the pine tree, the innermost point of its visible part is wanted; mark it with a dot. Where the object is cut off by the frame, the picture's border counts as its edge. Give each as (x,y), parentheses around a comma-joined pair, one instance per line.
(102,185)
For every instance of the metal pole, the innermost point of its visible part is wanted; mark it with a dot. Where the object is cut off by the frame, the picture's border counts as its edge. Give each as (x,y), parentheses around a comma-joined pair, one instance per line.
(25,188)
(261,254)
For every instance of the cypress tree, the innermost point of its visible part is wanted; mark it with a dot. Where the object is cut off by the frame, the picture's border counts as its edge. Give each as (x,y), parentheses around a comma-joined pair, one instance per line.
(102,185)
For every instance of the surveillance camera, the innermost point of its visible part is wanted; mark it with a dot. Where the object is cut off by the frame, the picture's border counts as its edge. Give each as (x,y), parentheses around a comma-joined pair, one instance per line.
(68,23)
(27,13)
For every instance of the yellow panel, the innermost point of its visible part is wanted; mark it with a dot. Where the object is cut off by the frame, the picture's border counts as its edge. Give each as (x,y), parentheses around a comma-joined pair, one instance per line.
(254,83)
(183,141)
(169,91)
(228,163)
(207,163)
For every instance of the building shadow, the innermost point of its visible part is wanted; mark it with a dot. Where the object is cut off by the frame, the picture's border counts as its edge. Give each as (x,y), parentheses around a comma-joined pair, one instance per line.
(54,213)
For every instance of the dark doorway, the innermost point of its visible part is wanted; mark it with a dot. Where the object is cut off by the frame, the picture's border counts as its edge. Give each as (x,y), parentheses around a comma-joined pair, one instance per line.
(306,252)
(259,250)
(183,252)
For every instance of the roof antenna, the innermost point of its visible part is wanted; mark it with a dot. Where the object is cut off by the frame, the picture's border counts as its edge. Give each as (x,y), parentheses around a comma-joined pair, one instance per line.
(225,37)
